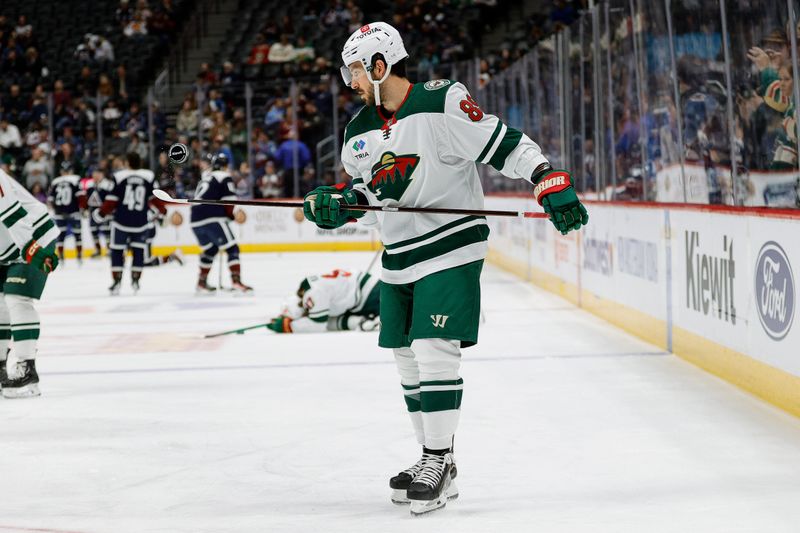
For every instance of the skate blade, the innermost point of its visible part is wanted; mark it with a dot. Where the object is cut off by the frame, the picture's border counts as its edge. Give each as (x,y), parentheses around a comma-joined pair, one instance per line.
(28,391)
(399,497)
(419,507)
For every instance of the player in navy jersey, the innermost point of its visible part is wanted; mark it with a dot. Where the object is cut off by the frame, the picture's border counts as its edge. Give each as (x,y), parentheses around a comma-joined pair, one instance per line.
(129,203)
(96,191)
(67,199)
(210,223)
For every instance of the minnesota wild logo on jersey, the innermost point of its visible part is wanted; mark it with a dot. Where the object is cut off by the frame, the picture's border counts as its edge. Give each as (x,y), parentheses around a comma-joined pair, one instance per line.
(391,176)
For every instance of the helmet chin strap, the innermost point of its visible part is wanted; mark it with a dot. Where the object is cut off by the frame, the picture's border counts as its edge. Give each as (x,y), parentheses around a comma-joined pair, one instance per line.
(376,84)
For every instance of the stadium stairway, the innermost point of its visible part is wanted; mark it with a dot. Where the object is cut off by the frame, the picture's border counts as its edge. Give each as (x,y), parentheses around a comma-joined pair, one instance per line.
(219,22)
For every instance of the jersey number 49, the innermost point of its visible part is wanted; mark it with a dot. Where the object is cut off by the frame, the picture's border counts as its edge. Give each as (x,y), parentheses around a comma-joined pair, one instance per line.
(134,197)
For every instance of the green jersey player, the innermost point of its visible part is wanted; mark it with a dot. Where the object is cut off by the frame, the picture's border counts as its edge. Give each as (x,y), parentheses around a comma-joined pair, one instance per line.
(417,144)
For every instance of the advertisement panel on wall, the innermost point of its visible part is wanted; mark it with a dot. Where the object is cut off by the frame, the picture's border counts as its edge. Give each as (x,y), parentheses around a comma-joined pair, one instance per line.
(721,286)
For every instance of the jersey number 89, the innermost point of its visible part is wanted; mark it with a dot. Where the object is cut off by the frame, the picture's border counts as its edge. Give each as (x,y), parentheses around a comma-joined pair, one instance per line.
(471,108)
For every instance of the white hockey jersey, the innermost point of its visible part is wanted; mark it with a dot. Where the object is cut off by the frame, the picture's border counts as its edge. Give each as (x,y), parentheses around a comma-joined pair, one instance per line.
(23,218)
(424,156)
(332,295)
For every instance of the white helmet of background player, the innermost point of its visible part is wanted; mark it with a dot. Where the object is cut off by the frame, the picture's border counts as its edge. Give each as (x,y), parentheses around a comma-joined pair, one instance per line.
(364,43)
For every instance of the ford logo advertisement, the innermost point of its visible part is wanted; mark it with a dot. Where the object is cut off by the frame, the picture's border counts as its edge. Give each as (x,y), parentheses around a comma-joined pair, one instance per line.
(774,290)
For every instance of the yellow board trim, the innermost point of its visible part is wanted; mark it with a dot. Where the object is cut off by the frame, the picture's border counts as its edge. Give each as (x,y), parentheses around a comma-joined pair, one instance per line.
(768,383)
(333,246)
(773,385)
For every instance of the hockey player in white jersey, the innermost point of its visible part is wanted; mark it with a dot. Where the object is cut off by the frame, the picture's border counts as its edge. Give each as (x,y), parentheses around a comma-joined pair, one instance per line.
(335,301)
(416,145)
(28,238)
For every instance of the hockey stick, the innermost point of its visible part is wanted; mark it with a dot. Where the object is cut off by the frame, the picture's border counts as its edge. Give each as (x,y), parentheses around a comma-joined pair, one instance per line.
(164,197)
(232,331)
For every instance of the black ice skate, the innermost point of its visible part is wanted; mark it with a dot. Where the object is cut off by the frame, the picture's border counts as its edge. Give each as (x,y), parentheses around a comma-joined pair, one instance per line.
(175,257)
(115,287)
(402,481)
(238,286)
(433,485)
(135,285)
(3,374)
(23,381)
(204,288)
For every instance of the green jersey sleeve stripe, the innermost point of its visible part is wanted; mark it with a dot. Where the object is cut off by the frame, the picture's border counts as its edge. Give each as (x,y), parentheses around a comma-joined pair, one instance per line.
(40,219)
(507,145)
(323,318)
(10,258)
(41,230)
(14,217)
(489,144)
(9,209)
(8,251)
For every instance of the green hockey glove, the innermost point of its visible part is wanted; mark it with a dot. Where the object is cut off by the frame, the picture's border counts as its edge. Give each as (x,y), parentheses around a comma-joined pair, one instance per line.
(282,324)
(38,257)
(327,206)
(554,191)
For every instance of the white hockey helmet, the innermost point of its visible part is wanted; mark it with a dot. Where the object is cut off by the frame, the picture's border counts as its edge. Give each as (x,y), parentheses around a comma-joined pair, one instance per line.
(364,43)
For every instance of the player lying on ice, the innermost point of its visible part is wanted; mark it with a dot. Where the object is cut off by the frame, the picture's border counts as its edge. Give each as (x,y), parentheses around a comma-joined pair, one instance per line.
(336,301)
(417,145)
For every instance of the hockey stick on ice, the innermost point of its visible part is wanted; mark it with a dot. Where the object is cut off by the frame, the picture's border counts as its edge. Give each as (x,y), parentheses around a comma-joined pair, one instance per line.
(233,331)
(164,197)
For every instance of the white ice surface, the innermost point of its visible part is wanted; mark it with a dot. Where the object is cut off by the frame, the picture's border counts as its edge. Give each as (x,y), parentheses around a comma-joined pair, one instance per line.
(568,424)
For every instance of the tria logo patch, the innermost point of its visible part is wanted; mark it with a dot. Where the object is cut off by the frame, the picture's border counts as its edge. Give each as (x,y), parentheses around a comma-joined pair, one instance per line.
(439,320)
(392,175)
(359,145)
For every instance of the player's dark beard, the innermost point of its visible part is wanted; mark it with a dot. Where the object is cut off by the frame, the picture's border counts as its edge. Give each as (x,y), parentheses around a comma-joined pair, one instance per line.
(368,96)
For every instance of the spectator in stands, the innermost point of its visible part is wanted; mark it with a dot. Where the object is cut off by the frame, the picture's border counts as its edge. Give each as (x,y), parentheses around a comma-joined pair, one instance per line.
(111,115)
(133,120)
(238,135)
(87,82)
(285,157)
(137,27)
(37,170)
(15,106)
(105,88)
(10,138)
(215,101)
(67,153)
(259,53)
(33,63)
(275,113)
(138,145)
(124,13)
(104,53)
(230,81)
(208,74)
(38,191)
(270,185)
(243,181)
(282,51)
(303,50)
(220,127)
(187,120)
(84,52)
(23,30)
